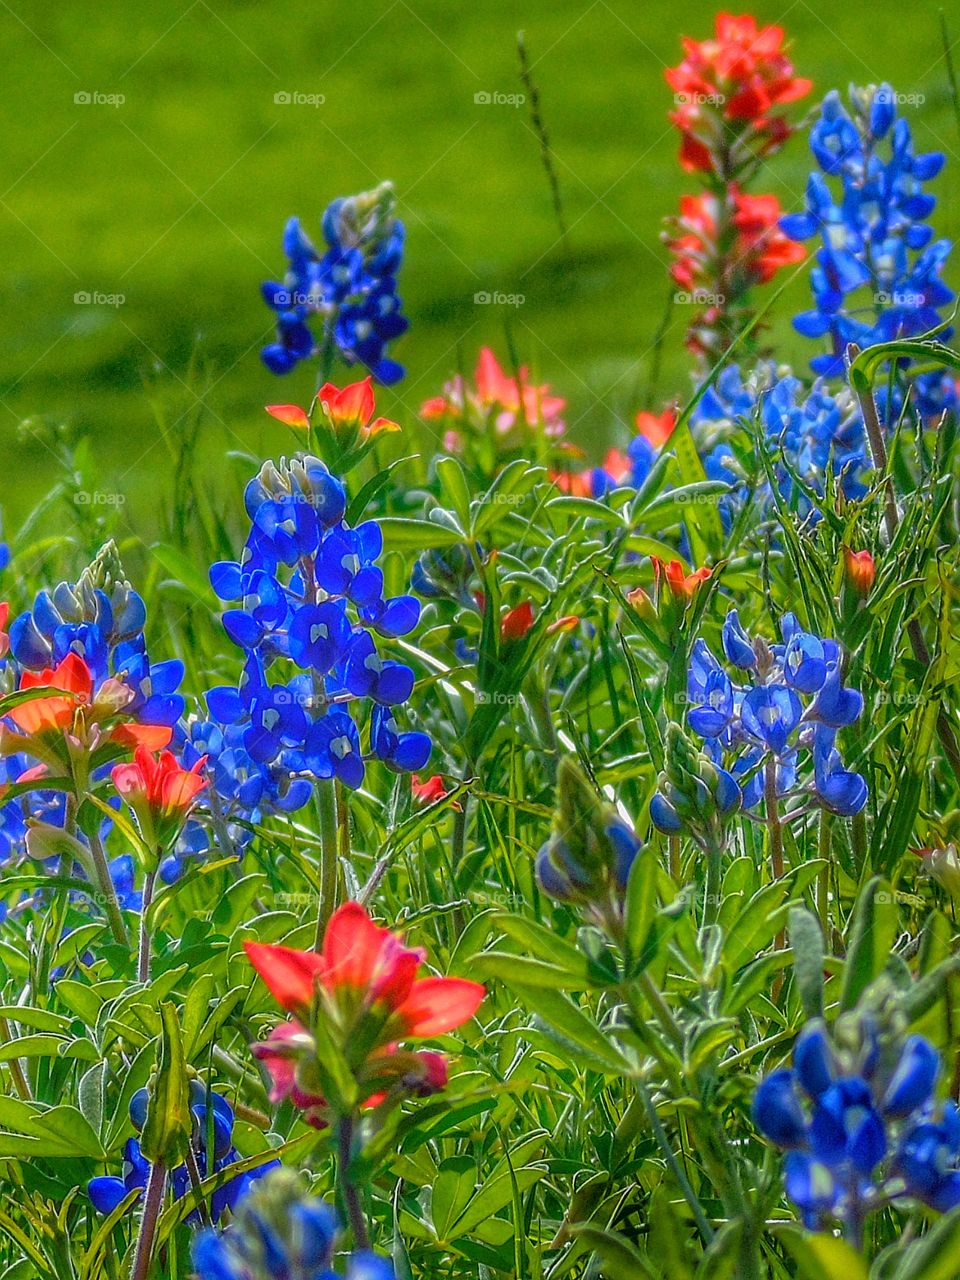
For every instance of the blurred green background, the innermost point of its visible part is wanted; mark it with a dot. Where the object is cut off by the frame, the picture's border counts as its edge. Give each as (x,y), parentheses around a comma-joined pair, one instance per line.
(175,197)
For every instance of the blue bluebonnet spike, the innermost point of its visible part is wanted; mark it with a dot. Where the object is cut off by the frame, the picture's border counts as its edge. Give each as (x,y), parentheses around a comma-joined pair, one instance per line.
(777,1112)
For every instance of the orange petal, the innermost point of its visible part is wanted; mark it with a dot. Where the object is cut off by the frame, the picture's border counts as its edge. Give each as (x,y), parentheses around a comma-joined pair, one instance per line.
(380,424)
(152,736)
(291,414)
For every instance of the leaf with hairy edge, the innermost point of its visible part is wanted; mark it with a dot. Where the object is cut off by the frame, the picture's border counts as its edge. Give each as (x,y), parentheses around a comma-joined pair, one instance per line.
(806,941)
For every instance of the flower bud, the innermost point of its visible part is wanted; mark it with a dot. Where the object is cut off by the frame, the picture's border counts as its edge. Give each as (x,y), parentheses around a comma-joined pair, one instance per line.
(859,571)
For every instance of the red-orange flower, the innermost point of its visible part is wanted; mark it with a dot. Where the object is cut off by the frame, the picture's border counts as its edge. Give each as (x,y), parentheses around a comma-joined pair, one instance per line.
(727,91)
(364,968)
(430,791)
(656,428)
(160,792)
(352,407)
(516,623)
(758,252)
(363,989)
(860,570)
(682,585)
(497,401)
(290,414)
(91,719)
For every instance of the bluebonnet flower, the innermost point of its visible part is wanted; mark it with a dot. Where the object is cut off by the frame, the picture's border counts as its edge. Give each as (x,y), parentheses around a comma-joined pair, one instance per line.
(857,1117)
(786,699)
(281,1232)
(351,287)
(212,1116)
(695,795)
(878,272)
(309,593)
(810,434)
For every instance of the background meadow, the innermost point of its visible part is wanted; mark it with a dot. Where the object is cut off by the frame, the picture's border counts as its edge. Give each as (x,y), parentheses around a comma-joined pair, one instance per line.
(175,199)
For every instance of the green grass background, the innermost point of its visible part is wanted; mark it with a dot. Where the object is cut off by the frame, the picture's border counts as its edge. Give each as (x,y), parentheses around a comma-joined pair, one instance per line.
(176,198)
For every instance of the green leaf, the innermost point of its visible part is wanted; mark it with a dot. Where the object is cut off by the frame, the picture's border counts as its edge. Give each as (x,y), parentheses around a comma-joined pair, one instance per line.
(456,491)
(935,1257)
(166,1132)
(873,931)
(806,941)
(822,1257)
(452,1189)
(621,1260)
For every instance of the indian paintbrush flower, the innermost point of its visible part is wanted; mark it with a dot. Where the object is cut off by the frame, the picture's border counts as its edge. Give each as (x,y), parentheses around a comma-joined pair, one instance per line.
(354,1002)
(160,794)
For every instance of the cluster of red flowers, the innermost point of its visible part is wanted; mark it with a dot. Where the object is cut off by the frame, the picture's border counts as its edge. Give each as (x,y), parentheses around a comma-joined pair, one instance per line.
(728,90)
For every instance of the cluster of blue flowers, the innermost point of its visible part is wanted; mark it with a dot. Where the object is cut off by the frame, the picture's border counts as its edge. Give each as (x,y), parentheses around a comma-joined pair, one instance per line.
(213,1150)
(812,435)
(351,287)
(310,593)
(861,1126)
(878,272)
(794,700)
(280,1233)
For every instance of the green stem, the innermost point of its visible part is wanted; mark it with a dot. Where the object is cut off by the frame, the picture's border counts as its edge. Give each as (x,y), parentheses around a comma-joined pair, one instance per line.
(704,1227)
(143,949)
(329,862)
(823,877)
(15,1066)
(348,1189)
(673,857)
(108,891)
(711,888)
(153,1203)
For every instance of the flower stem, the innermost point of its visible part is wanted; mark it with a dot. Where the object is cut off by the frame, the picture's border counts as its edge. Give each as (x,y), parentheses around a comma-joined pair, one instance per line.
(823,877)
(673,857)
(329,864)
(711,888)
(775,832)
(143,949)
(108,891)
(156,1185)
(348,1189)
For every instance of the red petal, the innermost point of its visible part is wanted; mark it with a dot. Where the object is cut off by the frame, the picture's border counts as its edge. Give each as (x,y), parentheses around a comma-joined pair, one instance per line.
(436,1005)
(351,947)
(290,975)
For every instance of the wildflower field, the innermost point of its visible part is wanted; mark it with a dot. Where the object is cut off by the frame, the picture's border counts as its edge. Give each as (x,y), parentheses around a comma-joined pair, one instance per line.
(442,840)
